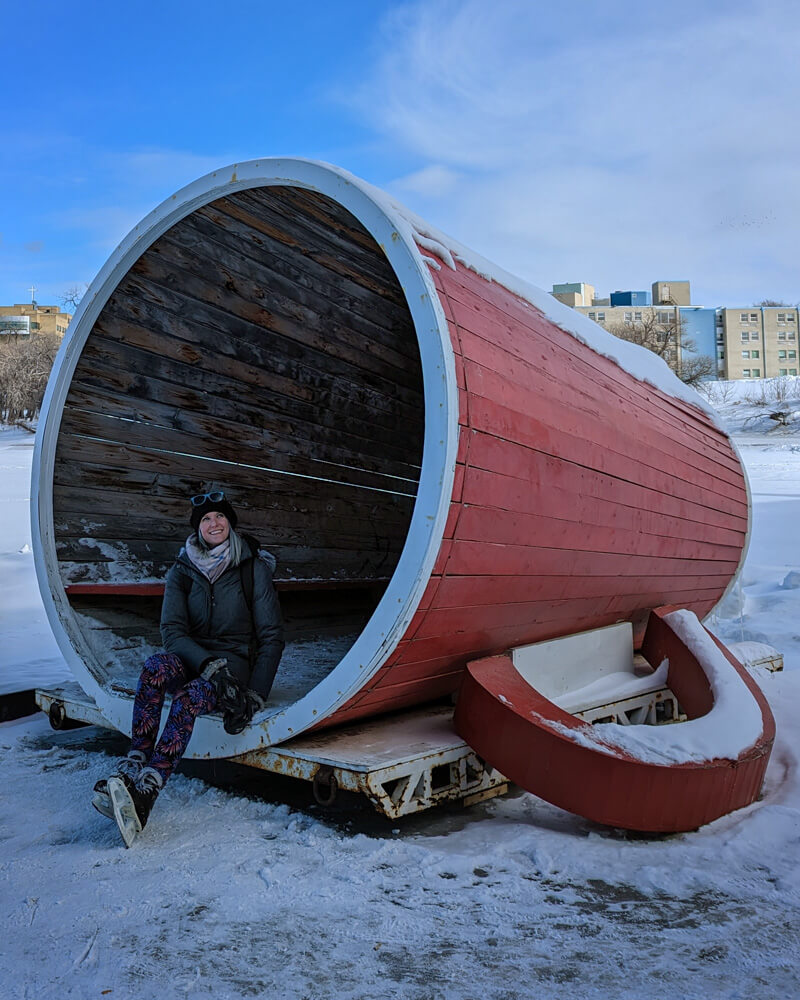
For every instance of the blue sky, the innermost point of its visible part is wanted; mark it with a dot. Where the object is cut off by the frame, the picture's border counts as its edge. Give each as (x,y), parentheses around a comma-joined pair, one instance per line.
(567,142)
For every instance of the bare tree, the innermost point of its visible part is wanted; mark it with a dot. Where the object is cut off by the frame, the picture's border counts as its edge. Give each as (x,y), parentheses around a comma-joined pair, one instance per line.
(70,299)
(24,369)
(770,302)
(696,368)
(670,341)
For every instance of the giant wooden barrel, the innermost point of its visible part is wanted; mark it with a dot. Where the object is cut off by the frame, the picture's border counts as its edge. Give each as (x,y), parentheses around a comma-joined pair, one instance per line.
(446,463)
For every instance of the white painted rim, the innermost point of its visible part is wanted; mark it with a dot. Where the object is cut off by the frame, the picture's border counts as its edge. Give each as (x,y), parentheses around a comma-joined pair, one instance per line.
(734,580)
(404,592)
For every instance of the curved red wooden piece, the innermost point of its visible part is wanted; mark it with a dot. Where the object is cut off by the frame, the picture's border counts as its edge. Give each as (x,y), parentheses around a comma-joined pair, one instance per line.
(505,720)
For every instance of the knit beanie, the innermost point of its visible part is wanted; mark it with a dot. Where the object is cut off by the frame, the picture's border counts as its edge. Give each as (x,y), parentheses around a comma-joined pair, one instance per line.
(198,513)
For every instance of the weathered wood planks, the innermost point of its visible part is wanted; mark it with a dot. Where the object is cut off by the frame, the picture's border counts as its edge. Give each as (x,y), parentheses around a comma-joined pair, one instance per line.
(262,345)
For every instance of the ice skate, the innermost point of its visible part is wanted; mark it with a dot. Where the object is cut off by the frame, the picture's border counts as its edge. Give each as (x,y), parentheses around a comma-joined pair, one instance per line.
(133,800)
(131,766)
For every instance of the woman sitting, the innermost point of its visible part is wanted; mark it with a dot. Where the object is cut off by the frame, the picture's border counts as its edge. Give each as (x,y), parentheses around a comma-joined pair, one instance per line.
(223,633)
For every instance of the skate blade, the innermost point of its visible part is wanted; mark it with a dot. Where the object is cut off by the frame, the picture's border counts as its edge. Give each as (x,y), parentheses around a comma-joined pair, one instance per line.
(102,804)
(124,811)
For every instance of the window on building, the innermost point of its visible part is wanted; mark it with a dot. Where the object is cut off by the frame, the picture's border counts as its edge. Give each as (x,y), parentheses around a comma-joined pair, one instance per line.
(790,317)
(781,317)
(754,334)
(745,373)
(663,317)
(756,373)
(782,371)
(753,317)
(791,335)
(592,315)
(637,317)
(629,317)
(745,336)
(792,355)
(743,317)
(781,335)
(792,371)
(781,355)
(601,317)
(746,355)
(755,354)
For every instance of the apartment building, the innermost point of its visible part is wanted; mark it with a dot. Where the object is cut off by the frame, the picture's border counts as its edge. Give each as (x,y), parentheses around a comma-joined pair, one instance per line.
(757,342)
(745,342)
(662,320)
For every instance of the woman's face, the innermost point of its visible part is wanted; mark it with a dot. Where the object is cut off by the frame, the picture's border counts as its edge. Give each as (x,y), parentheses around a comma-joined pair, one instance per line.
(214,528)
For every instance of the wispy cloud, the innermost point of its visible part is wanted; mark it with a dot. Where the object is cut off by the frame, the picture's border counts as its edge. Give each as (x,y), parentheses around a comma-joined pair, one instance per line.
(85,207)
(614,147)
(101,226)
(128,185)
(434,180)
(167,168)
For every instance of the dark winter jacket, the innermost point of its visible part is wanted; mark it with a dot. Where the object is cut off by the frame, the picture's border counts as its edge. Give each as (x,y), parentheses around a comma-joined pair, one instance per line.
(201,621)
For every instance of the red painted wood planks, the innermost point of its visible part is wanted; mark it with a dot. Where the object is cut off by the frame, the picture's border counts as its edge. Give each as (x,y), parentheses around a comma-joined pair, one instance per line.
(582,496)
(523,477)
(606,426)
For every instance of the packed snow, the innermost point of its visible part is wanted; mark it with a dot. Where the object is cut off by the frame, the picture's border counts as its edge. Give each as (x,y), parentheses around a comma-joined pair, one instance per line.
(239,887)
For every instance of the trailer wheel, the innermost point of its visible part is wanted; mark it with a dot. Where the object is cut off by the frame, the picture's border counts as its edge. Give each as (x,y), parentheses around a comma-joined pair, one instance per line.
(325,786)
(57,715)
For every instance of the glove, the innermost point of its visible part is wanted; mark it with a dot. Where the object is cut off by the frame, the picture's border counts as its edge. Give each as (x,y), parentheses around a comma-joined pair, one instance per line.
(259,703)
(237,703)
(234,700)
(212,667)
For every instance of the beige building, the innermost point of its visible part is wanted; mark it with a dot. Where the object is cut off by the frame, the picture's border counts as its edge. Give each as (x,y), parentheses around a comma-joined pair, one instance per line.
(663,321)
(610,316)
(574,293)
(748,342)
(672,293)
(757,341)
(24,319)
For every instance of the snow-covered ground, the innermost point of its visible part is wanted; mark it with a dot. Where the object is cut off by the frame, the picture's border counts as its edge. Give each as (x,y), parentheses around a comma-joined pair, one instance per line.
(29,655)
(235,894)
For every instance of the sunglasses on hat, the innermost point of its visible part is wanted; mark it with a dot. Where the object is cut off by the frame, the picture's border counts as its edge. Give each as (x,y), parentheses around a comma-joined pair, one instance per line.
(201,498)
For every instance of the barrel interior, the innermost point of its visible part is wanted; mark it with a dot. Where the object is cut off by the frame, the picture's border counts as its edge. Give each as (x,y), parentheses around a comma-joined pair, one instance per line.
(263,346)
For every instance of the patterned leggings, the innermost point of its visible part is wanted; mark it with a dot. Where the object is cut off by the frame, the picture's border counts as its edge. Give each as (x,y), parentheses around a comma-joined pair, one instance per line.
(165,674)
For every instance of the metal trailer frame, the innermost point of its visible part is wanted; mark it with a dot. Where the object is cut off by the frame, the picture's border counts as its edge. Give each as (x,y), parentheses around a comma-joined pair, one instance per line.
(402,763)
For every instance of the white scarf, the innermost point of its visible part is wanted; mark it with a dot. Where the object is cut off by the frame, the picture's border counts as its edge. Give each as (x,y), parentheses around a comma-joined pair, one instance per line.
(212,563)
